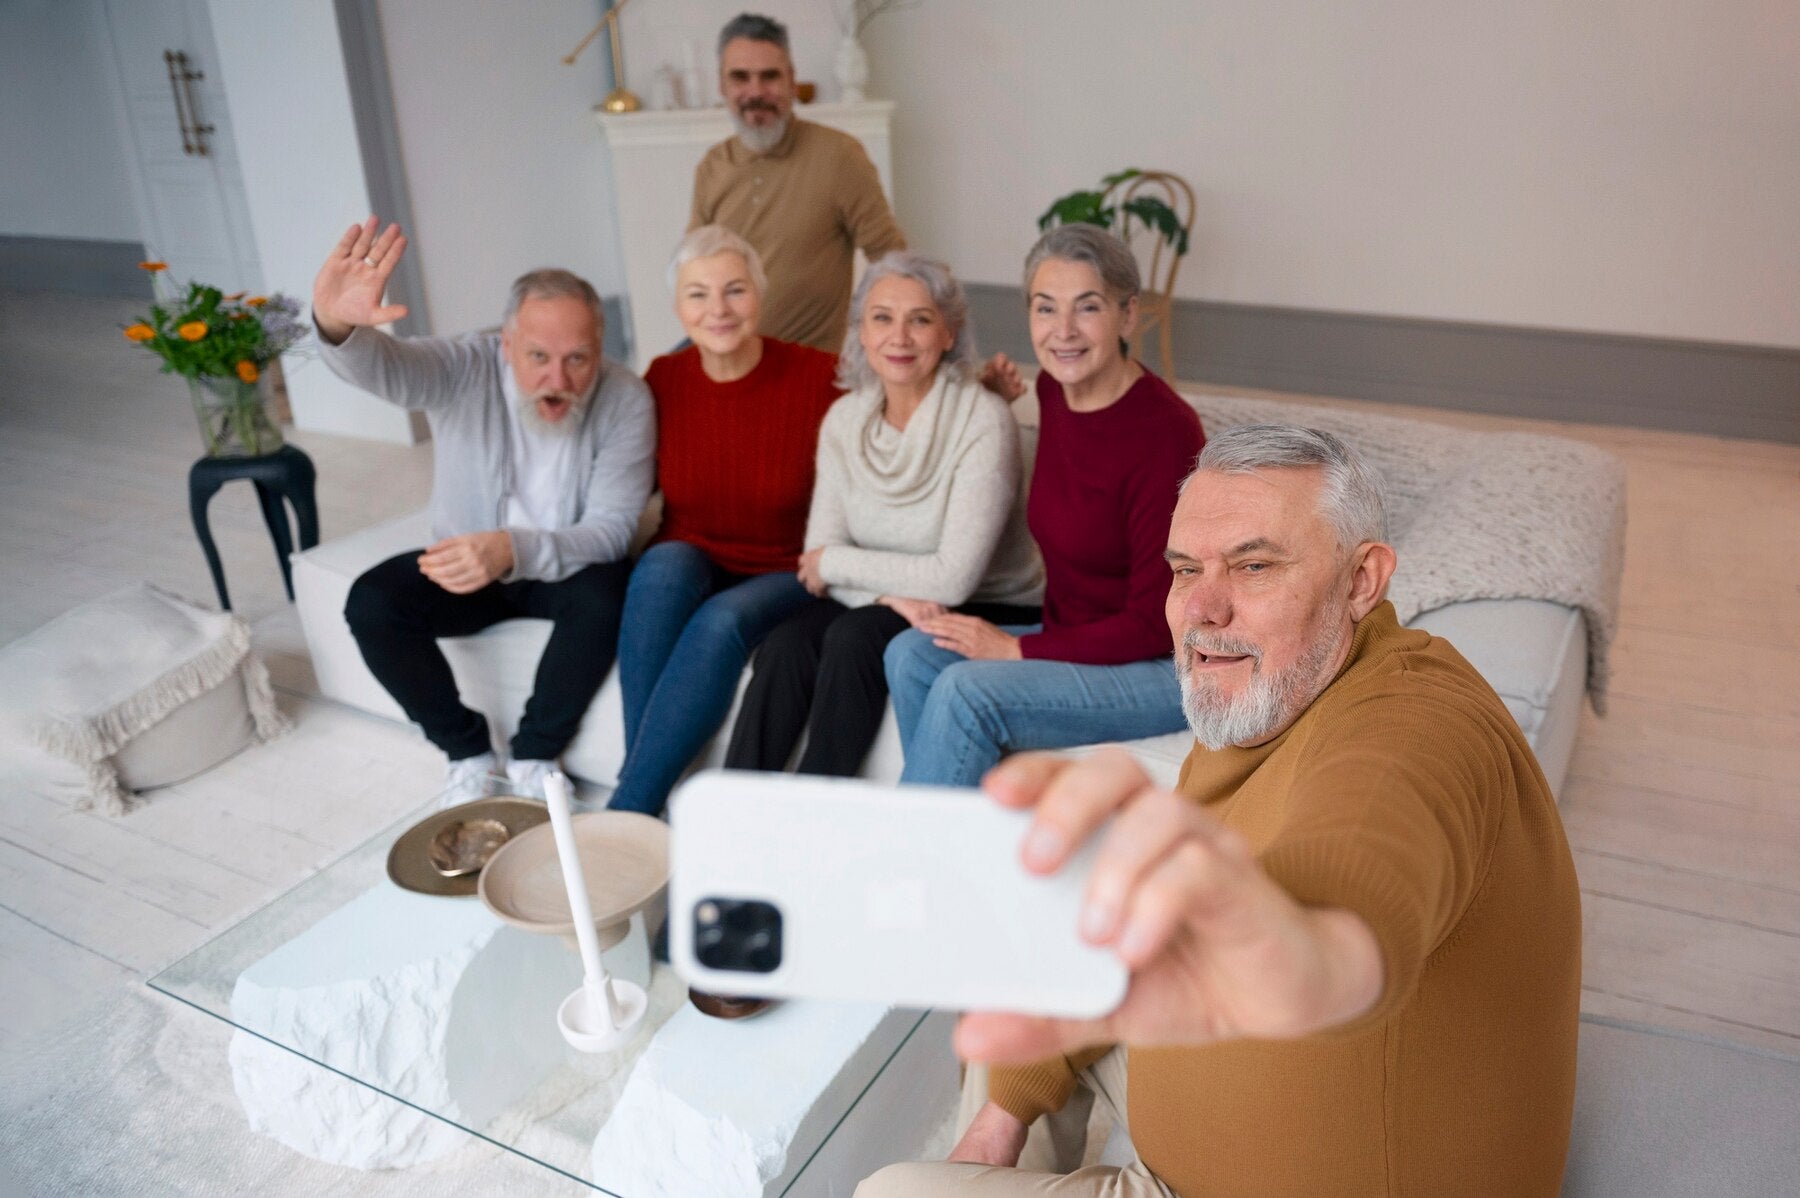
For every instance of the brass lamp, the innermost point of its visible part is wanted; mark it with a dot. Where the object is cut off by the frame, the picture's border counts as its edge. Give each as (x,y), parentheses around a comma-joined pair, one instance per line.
(620,98)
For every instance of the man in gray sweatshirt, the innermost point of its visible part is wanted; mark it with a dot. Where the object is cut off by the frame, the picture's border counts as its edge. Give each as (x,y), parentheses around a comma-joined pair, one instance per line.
(544,453)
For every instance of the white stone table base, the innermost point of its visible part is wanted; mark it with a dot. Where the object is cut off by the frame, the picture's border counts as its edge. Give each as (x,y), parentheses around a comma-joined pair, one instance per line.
(433,1000)
(739,1108)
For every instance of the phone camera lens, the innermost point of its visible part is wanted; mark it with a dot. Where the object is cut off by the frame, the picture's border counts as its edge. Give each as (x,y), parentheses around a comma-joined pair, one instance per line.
(737,935)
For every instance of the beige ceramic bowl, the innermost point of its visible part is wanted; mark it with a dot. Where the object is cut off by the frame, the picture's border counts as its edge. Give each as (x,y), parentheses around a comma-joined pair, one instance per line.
(624,858)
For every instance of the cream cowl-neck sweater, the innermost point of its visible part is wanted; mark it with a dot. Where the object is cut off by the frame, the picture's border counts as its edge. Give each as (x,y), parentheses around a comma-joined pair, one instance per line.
(932,511)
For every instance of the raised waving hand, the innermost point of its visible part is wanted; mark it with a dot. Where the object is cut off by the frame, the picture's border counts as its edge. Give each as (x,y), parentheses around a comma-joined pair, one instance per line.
(348,290)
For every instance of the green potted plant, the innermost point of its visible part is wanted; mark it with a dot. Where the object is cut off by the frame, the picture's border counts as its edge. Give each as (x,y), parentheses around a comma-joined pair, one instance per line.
(1093,208)
(222,344)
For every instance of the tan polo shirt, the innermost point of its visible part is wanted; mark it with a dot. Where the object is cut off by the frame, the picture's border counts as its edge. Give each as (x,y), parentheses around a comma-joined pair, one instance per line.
(1407,794)
(807,206)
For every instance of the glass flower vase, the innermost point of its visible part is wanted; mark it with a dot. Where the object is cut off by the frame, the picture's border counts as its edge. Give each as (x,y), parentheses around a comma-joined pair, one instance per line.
(234,417)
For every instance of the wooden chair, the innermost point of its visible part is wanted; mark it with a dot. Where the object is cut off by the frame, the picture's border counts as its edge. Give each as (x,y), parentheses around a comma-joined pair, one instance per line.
(1161,262)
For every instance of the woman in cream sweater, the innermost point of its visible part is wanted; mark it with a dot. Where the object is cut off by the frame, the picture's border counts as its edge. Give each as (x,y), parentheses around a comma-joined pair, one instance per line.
(916,511)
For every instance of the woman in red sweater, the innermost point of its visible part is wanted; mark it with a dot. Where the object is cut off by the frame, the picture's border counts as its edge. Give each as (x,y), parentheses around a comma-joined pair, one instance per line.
(1114,443)
(737,428)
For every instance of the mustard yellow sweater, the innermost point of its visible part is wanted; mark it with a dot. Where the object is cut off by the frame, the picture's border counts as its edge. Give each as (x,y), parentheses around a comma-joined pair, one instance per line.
(1407,794)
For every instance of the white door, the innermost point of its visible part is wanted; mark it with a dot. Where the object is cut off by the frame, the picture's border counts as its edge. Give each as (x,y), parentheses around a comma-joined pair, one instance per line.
(189,187)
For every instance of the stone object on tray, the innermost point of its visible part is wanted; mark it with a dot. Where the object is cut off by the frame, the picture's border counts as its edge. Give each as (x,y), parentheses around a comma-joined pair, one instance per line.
(134,690)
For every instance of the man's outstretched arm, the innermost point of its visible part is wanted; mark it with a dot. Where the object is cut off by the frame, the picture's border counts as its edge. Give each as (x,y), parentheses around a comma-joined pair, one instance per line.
(1217,949)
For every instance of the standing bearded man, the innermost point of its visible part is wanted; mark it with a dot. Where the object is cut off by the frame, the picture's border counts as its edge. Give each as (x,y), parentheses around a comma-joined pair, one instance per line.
(807,197)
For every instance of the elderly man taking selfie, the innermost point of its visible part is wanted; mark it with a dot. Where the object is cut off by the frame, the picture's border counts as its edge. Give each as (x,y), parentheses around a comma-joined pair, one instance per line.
(1353,928)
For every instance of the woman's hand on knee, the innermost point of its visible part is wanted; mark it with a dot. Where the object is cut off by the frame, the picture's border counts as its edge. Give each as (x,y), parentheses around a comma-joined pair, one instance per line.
(973,637)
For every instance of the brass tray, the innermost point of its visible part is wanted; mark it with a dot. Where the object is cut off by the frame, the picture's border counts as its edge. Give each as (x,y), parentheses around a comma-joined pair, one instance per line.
(409,862)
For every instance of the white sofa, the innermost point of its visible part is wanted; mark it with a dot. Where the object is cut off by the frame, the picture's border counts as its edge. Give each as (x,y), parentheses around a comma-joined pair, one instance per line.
(1540,654)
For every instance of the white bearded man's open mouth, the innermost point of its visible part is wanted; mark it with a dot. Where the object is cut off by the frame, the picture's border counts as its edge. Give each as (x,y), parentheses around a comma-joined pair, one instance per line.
(552,413)
(1203,652)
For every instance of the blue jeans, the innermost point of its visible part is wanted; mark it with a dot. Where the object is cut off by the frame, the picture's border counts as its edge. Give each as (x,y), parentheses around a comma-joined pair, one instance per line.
(958,717)
(687,631)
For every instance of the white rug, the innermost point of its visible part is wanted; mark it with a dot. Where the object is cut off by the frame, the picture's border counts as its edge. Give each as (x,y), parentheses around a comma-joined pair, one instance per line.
(133,1097)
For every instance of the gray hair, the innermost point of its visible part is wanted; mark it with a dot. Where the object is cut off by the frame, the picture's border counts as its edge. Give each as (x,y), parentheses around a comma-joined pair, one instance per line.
(854,371)
(1111,258)
(550,282)
(757,28)
(1350,499)
(709,240)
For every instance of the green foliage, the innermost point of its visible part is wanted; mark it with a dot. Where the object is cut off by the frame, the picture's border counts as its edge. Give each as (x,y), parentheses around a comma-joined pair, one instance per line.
(204,333)
(1091,208)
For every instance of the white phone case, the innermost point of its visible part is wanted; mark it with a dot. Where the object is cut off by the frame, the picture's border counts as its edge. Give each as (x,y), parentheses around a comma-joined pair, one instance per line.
(907,895)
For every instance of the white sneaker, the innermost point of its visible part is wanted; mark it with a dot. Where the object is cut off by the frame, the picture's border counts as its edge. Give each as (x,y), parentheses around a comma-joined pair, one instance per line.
(468,778)
(527,777)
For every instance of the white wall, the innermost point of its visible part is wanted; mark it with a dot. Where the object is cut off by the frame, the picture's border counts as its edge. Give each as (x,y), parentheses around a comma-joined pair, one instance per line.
(66,169)
(284,81)
(502,157)
(1575,164)
(505,164)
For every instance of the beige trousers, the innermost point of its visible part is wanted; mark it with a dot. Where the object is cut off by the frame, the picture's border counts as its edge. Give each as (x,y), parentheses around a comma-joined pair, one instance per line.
(1055,1146)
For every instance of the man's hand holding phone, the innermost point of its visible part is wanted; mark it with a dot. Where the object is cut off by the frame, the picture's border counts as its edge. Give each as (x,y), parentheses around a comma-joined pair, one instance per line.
(1216,949)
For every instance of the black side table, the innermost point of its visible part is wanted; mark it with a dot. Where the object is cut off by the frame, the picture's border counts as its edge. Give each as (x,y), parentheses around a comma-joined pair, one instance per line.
(285,474)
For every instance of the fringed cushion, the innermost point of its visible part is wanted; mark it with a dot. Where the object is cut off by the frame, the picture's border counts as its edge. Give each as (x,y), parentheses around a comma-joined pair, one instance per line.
(134,690)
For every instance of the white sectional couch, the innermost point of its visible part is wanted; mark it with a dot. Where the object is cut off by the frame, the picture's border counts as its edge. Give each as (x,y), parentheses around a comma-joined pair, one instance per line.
(1509,546)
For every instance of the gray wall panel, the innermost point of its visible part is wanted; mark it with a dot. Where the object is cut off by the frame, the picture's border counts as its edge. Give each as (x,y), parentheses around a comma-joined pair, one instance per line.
(1597,378)
(73,264)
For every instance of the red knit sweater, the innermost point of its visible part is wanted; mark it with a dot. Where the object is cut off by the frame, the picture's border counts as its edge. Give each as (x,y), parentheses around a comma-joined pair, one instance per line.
(734,460)
(1102,493)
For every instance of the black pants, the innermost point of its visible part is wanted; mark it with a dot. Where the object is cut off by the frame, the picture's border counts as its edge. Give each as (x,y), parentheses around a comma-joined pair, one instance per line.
(821,673)
(397,614)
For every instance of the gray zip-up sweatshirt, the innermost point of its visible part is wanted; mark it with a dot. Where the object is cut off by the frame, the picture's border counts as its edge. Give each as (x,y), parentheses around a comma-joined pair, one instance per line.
(456,382)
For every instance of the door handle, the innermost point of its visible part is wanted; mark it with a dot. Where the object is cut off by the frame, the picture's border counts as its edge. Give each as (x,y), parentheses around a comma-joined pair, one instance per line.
(181,118)
(181,84)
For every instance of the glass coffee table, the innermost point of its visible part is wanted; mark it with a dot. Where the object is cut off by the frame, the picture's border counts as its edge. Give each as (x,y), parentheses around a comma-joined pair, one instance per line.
(348,992)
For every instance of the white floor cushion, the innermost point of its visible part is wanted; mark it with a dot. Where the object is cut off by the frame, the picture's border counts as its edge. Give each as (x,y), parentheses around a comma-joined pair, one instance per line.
(134,690)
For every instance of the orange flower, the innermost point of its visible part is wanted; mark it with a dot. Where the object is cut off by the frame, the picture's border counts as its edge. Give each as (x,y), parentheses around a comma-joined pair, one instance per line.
(257,301)
(193,330)
(236,295)
(247,371)
(141,332)
(153,267)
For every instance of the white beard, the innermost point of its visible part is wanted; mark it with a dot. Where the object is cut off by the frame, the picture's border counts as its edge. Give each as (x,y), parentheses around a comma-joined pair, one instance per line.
(528,413)
(1270,703)
(760,139)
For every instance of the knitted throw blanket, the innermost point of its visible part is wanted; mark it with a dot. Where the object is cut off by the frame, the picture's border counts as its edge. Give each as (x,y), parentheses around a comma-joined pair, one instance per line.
(1481,515)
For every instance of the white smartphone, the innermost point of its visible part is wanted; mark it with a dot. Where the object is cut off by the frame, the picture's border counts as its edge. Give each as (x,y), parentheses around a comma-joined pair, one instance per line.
(785,886)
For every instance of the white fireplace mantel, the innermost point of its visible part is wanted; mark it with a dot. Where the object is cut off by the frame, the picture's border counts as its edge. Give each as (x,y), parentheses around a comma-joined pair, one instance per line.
(653,159)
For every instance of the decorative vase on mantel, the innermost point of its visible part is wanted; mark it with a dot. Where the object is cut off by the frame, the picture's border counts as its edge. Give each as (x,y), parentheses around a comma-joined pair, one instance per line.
(234,416)
(851,69)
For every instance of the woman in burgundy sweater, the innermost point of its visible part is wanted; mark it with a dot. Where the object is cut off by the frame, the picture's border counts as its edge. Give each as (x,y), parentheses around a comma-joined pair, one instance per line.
(737,428)
(1114,444)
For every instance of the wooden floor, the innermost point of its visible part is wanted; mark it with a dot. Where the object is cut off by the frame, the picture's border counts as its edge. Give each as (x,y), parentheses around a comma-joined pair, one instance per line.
(1682,802)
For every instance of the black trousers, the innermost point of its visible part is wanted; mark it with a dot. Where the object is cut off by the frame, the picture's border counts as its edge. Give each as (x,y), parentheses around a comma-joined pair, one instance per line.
(397,614)
(820,673)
